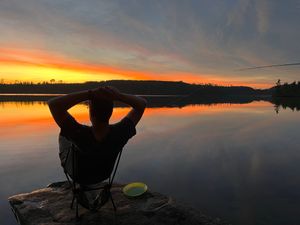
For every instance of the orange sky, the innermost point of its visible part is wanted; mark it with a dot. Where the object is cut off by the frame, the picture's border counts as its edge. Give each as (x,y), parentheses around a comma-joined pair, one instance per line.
(37,66)
(190,41)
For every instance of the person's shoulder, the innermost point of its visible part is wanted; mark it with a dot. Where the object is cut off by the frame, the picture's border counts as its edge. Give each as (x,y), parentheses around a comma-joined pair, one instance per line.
(125,127)
(85,126)
(78,127)
(85,129)
(123,122)
(75,131)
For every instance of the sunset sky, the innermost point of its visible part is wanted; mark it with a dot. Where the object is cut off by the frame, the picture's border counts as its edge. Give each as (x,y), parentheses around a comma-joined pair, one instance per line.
(196,41)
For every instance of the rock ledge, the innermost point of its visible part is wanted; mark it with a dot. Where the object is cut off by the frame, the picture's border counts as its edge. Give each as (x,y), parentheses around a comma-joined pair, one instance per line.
(51,206)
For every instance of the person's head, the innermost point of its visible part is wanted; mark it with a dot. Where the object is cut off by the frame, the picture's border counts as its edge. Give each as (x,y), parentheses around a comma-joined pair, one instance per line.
(100,110)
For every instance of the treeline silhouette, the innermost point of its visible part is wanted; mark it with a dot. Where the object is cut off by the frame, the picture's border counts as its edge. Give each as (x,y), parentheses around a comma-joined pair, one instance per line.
(286,89)
(136,87)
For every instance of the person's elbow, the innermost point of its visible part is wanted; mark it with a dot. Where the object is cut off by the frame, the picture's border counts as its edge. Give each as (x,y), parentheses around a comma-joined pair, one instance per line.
(57,114)
(52,104)
(140,105)
(143,103)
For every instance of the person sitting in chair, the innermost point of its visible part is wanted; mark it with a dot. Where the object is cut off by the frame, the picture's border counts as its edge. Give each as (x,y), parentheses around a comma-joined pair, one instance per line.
(98,145)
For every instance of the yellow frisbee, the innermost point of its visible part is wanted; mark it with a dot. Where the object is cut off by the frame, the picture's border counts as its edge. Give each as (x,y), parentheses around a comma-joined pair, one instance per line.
(135,189)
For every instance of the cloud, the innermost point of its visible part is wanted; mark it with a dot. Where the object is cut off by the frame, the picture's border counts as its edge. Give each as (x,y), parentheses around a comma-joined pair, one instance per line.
(247,11)
(237,15)
(161,37)
(263,14)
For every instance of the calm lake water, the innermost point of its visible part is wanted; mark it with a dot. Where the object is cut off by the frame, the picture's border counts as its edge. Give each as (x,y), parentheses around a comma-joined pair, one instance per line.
(239,162)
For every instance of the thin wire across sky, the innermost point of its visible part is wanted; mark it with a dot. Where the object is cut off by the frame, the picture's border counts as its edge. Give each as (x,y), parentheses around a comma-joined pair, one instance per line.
(268,66)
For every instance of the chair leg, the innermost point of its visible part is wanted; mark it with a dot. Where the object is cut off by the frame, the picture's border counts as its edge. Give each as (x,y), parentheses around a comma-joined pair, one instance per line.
(112,201)
(72,203)
(77,215)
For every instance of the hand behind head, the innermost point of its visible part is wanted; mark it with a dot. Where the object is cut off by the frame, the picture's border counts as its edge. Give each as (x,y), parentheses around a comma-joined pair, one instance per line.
(114,92)
(107,92)
(102,93)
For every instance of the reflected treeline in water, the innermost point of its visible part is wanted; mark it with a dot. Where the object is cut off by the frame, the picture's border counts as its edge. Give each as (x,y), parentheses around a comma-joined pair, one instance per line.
(292,103)
(24,98)
(176,101)
(153,101)
(182,101)
(23,103)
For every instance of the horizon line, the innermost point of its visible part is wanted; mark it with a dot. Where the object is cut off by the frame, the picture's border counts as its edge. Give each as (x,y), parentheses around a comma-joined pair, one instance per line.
(95,81)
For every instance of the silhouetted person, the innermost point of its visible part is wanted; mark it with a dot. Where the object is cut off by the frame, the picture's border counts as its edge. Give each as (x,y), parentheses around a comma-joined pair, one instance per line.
(102,137)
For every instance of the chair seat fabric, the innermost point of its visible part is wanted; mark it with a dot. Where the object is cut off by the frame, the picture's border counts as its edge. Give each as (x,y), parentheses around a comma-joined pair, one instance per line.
(84,168)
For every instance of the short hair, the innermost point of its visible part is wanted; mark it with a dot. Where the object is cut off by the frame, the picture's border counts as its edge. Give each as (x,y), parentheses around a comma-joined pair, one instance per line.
(101,109)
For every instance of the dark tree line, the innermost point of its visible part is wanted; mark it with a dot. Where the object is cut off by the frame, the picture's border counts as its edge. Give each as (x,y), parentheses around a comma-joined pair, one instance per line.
(287,89)
(136,87)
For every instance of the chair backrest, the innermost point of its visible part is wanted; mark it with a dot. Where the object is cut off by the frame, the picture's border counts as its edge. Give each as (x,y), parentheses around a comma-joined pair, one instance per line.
(86,168)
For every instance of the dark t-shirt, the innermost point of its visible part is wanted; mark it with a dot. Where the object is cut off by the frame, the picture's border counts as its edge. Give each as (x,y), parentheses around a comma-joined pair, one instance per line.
(95,159)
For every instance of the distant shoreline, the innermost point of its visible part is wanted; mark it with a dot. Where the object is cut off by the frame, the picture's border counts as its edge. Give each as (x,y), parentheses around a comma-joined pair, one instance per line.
(29,94)
(47,94)
(137,87)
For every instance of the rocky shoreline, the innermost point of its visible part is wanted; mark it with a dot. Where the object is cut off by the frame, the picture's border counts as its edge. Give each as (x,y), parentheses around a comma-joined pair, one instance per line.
(51,206)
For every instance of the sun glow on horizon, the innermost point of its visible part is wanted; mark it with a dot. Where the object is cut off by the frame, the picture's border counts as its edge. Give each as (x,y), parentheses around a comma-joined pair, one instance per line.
(36,73)
(19,65)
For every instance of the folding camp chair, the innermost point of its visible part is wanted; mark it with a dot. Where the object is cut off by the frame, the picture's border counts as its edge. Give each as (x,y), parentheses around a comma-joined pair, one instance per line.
(79,187)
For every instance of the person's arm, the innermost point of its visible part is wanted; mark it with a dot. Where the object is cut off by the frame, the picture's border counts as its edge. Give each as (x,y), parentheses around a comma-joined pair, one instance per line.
(137,103)
(59,105)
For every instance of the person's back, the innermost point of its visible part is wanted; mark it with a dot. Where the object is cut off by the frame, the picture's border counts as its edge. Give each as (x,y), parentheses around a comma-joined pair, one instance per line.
(98,145)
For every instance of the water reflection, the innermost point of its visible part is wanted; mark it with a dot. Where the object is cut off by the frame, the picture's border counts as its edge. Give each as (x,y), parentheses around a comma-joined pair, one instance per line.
(155,100)
(170,101)
(289,102)
(235,161)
